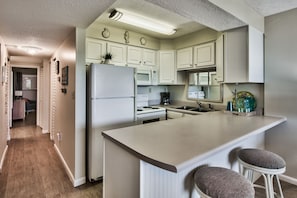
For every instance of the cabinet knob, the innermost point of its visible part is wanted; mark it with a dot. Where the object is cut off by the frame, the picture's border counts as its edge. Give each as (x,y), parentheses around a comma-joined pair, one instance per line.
(139,62)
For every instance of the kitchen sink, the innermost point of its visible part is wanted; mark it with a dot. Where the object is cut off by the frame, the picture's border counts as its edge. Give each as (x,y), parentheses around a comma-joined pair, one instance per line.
(186,107)
(197,109)
(201,109)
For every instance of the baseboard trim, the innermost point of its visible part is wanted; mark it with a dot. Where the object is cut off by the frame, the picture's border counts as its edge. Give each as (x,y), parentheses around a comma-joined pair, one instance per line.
(288,179)
(75,182)
(44,131)
(3,158)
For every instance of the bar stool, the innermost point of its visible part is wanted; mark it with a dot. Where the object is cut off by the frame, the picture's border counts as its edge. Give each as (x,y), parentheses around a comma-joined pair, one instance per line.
(217,182)
(268,164)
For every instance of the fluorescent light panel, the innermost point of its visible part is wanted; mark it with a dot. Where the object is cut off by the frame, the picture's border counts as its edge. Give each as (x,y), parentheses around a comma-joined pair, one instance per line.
(141,21)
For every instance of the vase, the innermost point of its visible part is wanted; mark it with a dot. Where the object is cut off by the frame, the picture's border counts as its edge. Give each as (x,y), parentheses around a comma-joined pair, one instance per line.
(107,61)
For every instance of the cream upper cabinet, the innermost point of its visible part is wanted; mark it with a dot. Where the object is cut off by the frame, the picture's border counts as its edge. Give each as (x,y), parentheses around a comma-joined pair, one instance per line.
(204,55)
(220,59)
(168,75)
(134,55)
(185,58)
(243,55)
(141,57)
(119,53)
(149,57)
(167,71)
(95,50)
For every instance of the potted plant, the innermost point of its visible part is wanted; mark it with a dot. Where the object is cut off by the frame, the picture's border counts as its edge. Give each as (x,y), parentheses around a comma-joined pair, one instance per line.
(107,58)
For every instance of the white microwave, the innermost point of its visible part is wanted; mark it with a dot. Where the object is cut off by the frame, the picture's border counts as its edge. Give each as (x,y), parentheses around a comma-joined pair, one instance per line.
(146,77)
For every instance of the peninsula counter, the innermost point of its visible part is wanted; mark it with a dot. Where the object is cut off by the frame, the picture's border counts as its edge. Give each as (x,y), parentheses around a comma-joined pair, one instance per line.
(158,159)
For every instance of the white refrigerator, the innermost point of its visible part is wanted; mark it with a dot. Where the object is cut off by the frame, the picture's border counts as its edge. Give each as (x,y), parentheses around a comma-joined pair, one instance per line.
(111,104)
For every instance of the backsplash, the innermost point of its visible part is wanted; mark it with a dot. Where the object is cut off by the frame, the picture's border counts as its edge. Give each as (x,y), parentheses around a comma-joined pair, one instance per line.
(153,93)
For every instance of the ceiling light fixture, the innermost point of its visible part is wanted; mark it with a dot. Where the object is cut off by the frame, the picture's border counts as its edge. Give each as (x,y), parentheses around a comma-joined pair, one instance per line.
(31,49)
(141,21)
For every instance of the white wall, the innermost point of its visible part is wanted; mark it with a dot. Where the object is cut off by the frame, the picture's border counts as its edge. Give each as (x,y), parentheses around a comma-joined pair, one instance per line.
(117,35)
(281,85)
(70,107)
(4,110)
(44,98)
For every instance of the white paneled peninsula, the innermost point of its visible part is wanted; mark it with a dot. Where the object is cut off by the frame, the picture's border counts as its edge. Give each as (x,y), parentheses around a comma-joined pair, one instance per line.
(158,159)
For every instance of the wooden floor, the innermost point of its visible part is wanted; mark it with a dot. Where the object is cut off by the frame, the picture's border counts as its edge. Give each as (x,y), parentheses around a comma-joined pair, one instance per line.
(33,169)
(30,119)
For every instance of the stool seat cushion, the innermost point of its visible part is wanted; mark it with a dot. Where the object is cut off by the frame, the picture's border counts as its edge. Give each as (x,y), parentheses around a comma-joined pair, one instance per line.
(220,182)
(261,158)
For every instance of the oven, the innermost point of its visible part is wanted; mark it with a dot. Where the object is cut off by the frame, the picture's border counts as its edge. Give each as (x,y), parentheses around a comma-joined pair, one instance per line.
(147,114)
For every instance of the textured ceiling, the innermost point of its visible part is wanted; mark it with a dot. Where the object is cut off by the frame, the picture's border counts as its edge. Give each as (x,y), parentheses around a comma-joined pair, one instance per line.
(270,7)
(182,24)
(46,23)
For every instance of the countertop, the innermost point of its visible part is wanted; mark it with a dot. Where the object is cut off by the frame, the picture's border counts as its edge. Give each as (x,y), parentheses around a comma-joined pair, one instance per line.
(178,143)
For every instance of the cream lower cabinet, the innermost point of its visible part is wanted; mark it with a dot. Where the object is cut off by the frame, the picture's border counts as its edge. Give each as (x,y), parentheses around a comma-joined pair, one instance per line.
(95,50)
(168,74)
(175,115)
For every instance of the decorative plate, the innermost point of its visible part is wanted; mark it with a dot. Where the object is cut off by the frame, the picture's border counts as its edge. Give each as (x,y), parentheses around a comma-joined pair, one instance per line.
(246,102)
(105,33)
(142,41)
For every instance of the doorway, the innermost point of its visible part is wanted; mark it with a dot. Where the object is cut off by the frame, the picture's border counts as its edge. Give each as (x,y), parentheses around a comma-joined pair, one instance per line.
(24,96)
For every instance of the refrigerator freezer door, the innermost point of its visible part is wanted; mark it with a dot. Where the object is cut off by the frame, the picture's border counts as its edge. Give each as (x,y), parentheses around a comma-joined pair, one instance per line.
(106,114)
(112,81)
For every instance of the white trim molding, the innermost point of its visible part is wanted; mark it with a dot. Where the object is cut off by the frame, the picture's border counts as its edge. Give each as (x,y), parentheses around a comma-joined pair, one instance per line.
(44,131)
(75,182)
(3,158)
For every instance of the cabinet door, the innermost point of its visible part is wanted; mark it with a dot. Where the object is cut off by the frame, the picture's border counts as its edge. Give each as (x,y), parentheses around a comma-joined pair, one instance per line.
(167,70)
(95,50)
(220,58)
(185,58)
(256,56)
(149,57)
(134,55)
(235,55)
(204,55)
(119,53)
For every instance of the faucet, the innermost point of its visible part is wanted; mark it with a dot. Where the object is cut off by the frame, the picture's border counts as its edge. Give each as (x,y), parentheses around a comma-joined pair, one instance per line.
(235,95)
(210,106)
(199,104)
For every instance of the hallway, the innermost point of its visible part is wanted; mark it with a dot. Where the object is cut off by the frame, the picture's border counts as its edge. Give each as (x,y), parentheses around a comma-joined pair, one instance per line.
(33,169)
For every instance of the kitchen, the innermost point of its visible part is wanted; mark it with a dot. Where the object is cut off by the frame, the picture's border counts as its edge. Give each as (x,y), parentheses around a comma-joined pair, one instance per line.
(177,91)
(240,81)
(161,66)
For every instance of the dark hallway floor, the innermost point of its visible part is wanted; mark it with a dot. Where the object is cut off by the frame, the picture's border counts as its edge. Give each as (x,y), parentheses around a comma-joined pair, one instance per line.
(29,120)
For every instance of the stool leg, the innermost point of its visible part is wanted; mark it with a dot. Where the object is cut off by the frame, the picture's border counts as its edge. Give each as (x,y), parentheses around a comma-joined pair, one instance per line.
(279,187)
(247,173)
(266,185)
